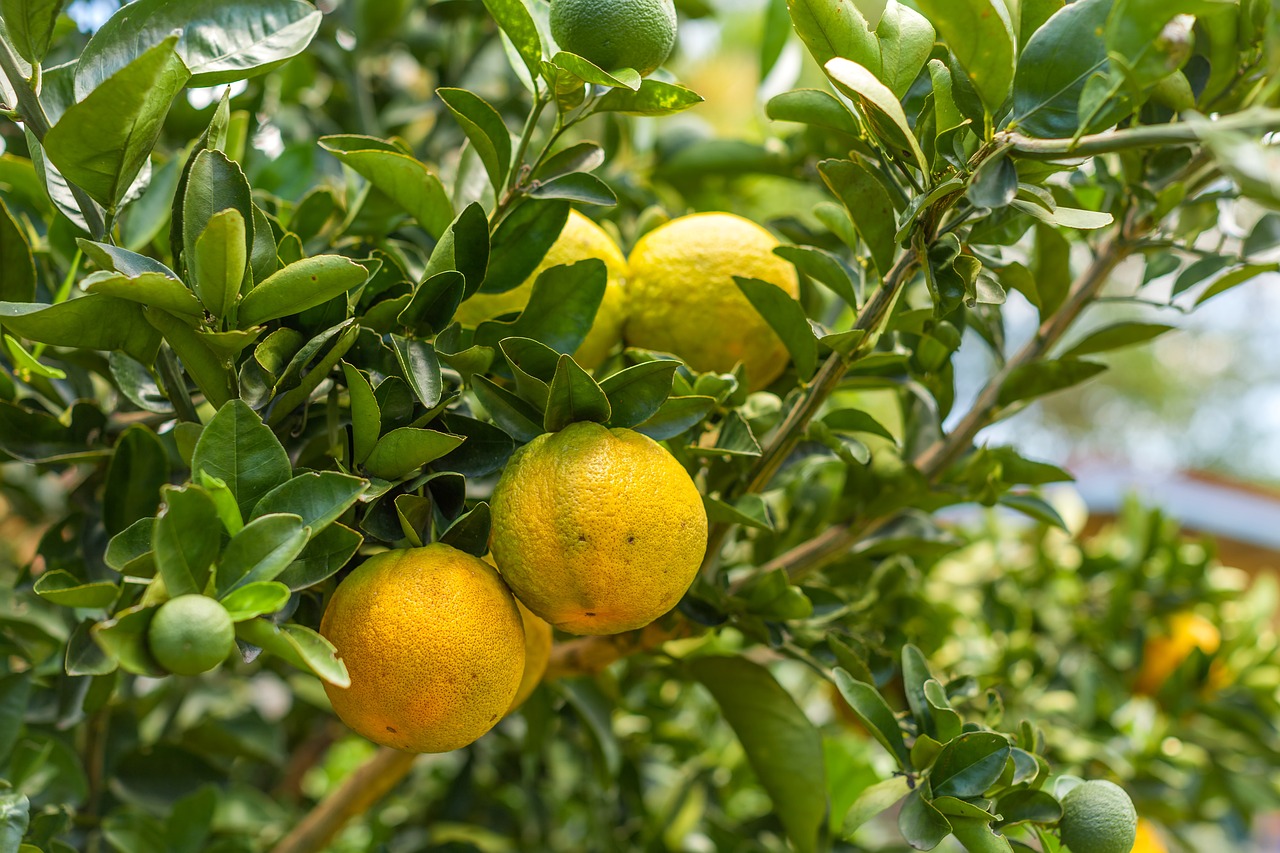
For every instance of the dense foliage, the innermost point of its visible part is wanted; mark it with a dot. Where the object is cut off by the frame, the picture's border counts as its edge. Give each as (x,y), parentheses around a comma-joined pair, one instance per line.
(231,367)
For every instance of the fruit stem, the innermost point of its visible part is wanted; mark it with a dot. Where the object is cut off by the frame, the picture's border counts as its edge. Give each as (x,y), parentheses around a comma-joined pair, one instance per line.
(368,784)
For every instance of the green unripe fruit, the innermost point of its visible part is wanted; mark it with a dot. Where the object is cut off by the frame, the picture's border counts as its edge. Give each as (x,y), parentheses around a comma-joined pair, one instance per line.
(1098,817)
(191,634)
(615,34)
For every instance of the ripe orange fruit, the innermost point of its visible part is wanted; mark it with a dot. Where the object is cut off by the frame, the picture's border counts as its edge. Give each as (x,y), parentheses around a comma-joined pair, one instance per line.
(537,653)
(1164,653)
(682,297)
(1148,840)
(434,645)
(597,531)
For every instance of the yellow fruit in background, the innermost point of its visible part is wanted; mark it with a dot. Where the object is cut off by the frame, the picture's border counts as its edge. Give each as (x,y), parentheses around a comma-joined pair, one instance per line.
(1148,839)
(682,299)
(537,653)
(434,645)
(597,531)
(613,34)
(581,239)
(1163,654)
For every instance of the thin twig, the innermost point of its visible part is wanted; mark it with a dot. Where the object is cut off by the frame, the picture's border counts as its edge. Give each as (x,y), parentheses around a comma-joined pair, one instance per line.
(1147,136)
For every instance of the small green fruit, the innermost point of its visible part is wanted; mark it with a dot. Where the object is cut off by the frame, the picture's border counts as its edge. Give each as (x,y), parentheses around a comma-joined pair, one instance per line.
(615,34)
(1098,817)
(191,634)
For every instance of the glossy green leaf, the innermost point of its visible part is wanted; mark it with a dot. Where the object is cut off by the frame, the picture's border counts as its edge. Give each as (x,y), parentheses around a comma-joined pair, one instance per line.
(869,206)
(638,392)
(29,24)
(470,533)
(922,825)
(148,288)
(214,183)
(15,817)
(577,187)
(874,713)
(983,38)
(102,142)
(205,366)
(518,26)
(261,551)
(366,417)
(587,72)
(813,107)
(856,420)
(221,42)
(534,365)
(881,107)
(1135,39)
(299,286)
(421,368)
(1028,805)
(873,801)
(299,646)
(463,247)
(1034,507)
(787,319)
(237,448)
(1236,278)
(404,180)
(574,396)
(219,260)
(1045,377)
(311,366)
(915,672)
(521,241)
(654,98)
(330,550)
(976,836)
(319,498)
(94,321)
(434,302)
(485,450)
(894,48)
(783,747)
(677,415)
(823,267)
(261,598)
(561,308)
(65,589)
(139,467)
(1115,337)
(969,765)
(128,548)
(485,129)
(513,415)
(186,539)
(403,451)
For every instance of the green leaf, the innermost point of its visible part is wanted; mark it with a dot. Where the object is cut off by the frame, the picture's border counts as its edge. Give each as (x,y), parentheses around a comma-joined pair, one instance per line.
(311,366)
(874,800)
(976,836)
(190,822)
(15,817)
(754,512)
(1055,65)
(588,72)
(518,26)
(434,302)
(677,415)
(513,415)
(580,157)
(1135,40)
(486,449)
(983,38)
(404,180)
(124,639)
(856,420)
(17,265)
(574,396)
(560,311)
(946,722)
(463,247)
(366,417)
(139,467)
(654,98)
(777,30)
(1036,508)
(214,183)
(534,366)
(638,392)
(969,765)
(1028,805)
(219,260)
(33,436)
(93,321)
(186,539)
(823,267)
(1045,377)
(330,550)
(874,714)
(1117,336)
(1236,278)
(521,241)
(30,25)
(319,498)
(995,183)
(128,548)
(470,533)
(881,107)
(922,825)
(261,598)
(148,288)
(783,747)
(261,551)
(221,42)
(203,364)
(485,129)
(787,319)
(403,451)
(299,286)
(915,672)
(15,693)
(1067,217)
(228,510)
(298,646)
(894,48)
(813,107)
(237,448)
(421,368)
(102,141)
(65,589)
(576,187)
(869,206)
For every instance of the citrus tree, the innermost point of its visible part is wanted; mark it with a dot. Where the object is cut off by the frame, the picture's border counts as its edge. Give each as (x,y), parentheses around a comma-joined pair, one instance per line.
(432,306)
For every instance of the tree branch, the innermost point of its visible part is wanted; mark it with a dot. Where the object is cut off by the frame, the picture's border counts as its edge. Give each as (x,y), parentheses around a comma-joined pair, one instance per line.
(1148,136)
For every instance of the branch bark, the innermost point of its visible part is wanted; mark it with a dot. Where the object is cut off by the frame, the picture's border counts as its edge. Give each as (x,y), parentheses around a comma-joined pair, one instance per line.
(1147,136)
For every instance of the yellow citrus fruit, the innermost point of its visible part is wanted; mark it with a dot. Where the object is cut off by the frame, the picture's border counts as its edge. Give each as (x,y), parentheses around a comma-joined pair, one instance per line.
(433,643)
(1098,817)
(581,239)
(597,531)
(615,34)
(682,299)
(1163,654)
(191,634)
(1148,839)
(537,653)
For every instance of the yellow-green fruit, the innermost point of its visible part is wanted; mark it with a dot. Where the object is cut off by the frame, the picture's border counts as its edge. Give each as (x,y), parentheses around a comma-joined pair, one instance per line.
(615,34)
(1098,817)
(537,653)
(597,531)
(433,643)
(682,298)
(581,239)
(191,634)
